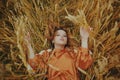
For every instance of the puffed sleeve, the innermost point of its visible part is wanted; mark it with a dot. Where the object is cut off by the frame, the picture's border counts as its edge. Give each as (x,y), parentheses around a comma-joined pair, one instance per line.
(83,58)
(39,61)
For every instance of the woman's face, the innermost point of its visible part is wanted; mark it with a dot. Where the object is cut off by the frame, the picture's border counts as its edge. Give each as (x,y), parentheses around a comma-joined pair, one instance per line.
(60,38)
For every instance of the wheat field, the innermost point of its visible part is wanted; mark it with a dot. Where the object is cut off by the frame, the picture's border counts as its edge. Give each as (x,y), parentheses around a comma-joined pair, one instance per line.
(41,17)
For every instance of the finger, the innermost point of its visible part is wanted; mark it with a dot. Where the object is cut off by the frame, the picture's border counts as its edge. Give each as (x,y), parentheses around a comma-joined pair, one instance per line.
(28,35)
(82,30)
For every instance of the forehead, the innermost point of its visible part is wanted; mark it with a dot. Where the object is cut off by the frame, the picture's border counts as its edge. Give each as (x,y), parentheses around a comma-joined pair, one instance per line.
(60,32)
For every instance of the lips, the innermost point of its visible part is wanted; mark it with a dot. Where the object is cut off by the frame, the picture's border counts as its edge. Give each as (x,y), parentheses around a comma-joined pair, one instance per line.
(62,39)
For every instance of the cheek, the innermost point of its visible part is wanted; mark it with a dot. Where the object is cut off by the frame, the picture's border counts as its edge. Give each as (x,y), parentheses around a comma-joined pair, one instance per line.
(56,39)
(65,40)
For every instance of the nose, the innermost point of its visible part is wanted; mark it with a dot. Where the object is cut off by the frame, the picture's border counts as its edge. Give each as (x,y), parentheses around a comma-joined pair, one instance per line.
(62,37)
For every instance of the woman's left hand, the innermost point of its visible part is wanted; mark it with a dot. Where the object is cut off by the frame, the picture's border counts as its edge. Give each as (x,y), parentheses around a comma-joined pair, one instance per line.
(84,33)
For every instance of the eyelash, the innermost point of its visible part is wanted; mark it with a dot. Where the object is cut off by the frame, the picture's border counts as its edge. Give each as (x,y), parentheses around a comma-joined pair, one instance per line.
(59,35)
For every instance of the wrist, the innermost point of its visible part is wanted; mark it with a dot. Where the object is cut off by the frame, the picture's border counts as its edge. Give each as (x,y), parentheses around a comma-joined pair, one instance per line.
(84,43)
(84,38)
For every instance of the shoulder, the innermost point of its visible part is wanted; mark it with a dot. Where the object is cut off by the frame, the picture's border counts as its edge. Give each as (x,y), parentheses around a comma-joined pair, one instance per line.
(43,51)
(73,50)
(77,50)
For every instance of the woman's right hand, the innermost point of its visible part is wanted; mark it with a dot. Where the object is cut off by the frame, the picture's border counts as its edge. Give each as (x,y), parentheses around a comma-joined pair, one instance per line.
(28,44)
(27,39)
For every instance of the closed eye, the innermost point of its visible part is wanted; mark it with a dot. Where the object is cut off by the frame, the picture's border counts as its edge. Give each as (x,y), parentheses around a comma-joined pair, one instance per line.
(57,35)
(65,35)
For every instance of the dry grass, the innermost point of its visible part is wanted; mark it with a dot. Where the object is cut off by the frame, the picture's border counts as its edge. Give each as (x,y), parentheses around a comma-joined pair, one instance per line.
(39,17)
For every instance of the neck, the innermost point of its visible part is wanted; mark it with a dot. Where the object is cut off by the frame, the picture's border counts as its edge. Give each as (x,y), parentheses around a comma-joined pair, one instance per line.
(60,47)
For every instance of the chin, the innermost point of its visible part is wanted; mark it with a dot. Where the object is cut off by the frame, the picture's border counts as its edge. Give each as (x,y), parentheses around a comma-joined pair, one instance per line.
(63,44)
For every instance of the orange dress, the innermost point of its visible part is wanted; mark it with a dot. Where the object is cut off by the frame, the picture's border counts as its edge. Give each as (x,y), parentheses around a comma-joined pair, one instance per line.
(62,64)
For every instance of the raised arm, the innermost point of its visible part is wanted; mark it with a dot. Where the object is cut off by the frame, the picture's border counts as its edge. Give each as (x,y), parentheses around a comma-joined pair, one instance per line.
(28,44)
(84,59)
(84,37)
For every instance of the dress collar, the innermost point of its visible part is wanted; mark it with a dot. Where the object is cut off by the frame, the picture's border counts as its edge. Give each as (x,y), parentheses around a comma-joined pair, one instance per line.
(58,53)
